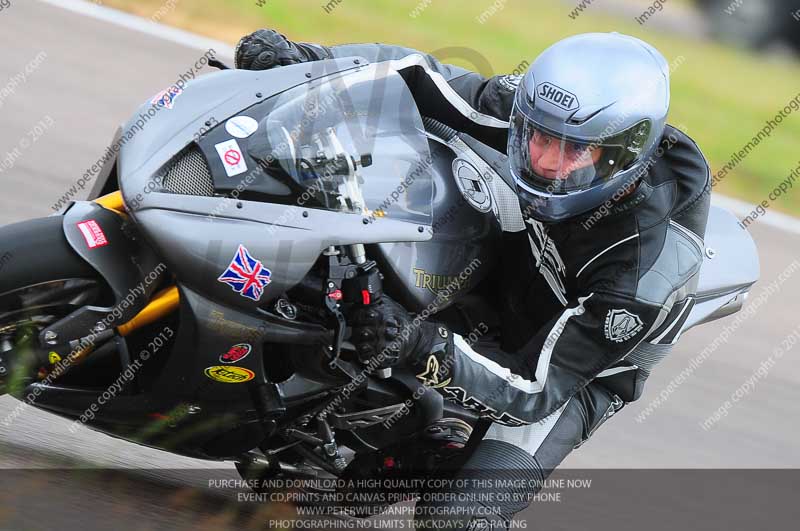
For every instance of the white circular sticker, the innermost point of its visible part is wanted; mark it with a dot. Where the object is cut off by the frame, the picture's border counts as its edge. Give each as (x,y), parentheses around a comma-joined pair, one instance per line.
(241,126)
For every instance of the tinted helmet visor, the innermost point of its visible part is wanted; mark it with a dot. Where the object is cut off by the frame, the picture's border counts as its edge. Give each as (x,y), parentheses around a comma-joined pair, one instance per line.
(552,162)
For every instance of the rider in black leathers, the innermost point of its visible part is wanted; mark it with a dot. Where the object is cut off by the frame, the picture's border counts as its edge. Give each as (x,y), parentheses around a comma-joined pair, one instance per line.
(590,301)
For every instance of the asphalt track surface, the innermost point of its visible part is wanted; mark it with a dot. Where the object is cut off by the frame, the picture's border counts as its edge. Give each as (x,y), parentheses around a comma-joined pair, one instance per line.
(95,73)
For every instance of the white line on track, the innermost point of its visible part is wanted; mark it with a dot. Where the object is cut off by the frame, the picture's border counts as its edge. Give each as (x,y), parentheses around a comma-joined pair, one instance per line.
(191,40)
(143,25)
(771,218)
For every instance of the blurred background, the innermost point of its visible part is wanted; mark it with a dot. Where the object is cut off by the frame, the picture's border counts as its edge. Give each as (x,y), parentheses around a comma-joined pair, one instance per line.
(735,62)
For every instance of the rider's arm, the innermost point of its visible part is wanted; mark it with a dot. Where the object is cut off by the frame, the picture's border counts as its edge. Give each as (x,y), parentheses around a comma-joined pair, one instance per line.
(592,334)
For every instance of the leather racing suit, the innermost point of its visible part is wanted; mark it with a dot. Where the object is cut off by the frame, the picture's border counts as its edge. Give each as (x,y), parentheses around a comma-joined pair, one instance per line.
(589,305)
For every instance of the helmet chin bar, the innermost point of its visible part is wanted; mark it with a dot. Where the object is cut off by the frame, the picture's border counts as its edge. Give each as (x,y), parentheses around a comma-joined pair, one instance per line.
(554,208)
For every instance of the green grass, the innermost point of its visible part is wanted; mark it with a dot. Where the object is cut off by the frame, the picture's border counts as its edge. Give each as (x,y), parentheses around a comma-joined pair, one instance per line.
(723,96)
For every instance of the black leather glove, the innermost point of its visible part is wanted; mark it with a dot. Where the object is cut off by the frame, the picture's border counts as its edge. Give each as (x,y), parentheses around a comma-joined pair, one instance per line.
(385,336)
(266,48)
(376,330)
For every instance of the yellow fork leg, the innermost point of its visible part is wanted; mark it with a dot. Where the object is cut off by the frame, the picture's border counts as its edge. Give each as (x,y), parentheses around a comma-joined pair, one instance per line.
(112,201)
(163,303)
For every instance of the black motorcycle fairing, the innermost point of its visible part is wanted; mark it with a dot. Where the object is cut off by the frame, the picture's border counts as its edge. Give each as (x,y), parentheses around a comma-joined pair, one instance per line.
(176,406)
(173,405)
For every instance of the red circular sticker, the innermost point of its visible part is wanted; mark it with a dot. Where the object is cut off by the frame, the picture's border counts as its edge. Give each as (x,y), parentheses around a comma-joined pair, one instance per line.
(233,157)
(236,353)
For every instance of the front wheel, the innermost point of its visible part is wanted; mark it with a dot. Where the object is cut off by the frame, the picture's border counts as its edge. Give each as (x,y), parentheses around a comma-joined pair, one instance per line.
(42,280)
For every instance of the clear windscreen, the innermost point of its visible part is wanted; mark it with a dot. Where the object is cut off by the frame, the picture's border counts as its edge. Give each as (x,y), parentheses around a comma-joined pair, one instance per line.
(354,143)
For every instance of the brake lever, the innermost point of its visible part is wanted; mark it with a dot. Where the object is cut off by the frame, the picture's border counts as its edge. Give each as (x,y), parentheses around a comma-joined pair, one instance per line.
(340,328)
(216,63)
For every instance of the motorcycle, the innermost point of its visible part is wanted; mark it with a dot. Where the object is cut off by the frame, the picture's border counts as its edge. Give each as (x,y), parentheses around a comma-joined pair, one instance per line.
(198,301)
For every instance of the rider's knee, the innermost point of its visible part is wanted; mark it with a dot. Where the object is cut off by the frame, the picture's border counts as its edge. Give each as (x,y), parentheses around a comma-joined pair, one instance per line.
(498,481)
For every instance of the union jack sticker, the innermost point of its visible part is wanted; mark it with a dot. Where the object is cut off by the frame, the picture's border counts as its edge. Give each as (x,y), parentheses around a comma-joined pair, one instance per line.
(166,98)
(246,276)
